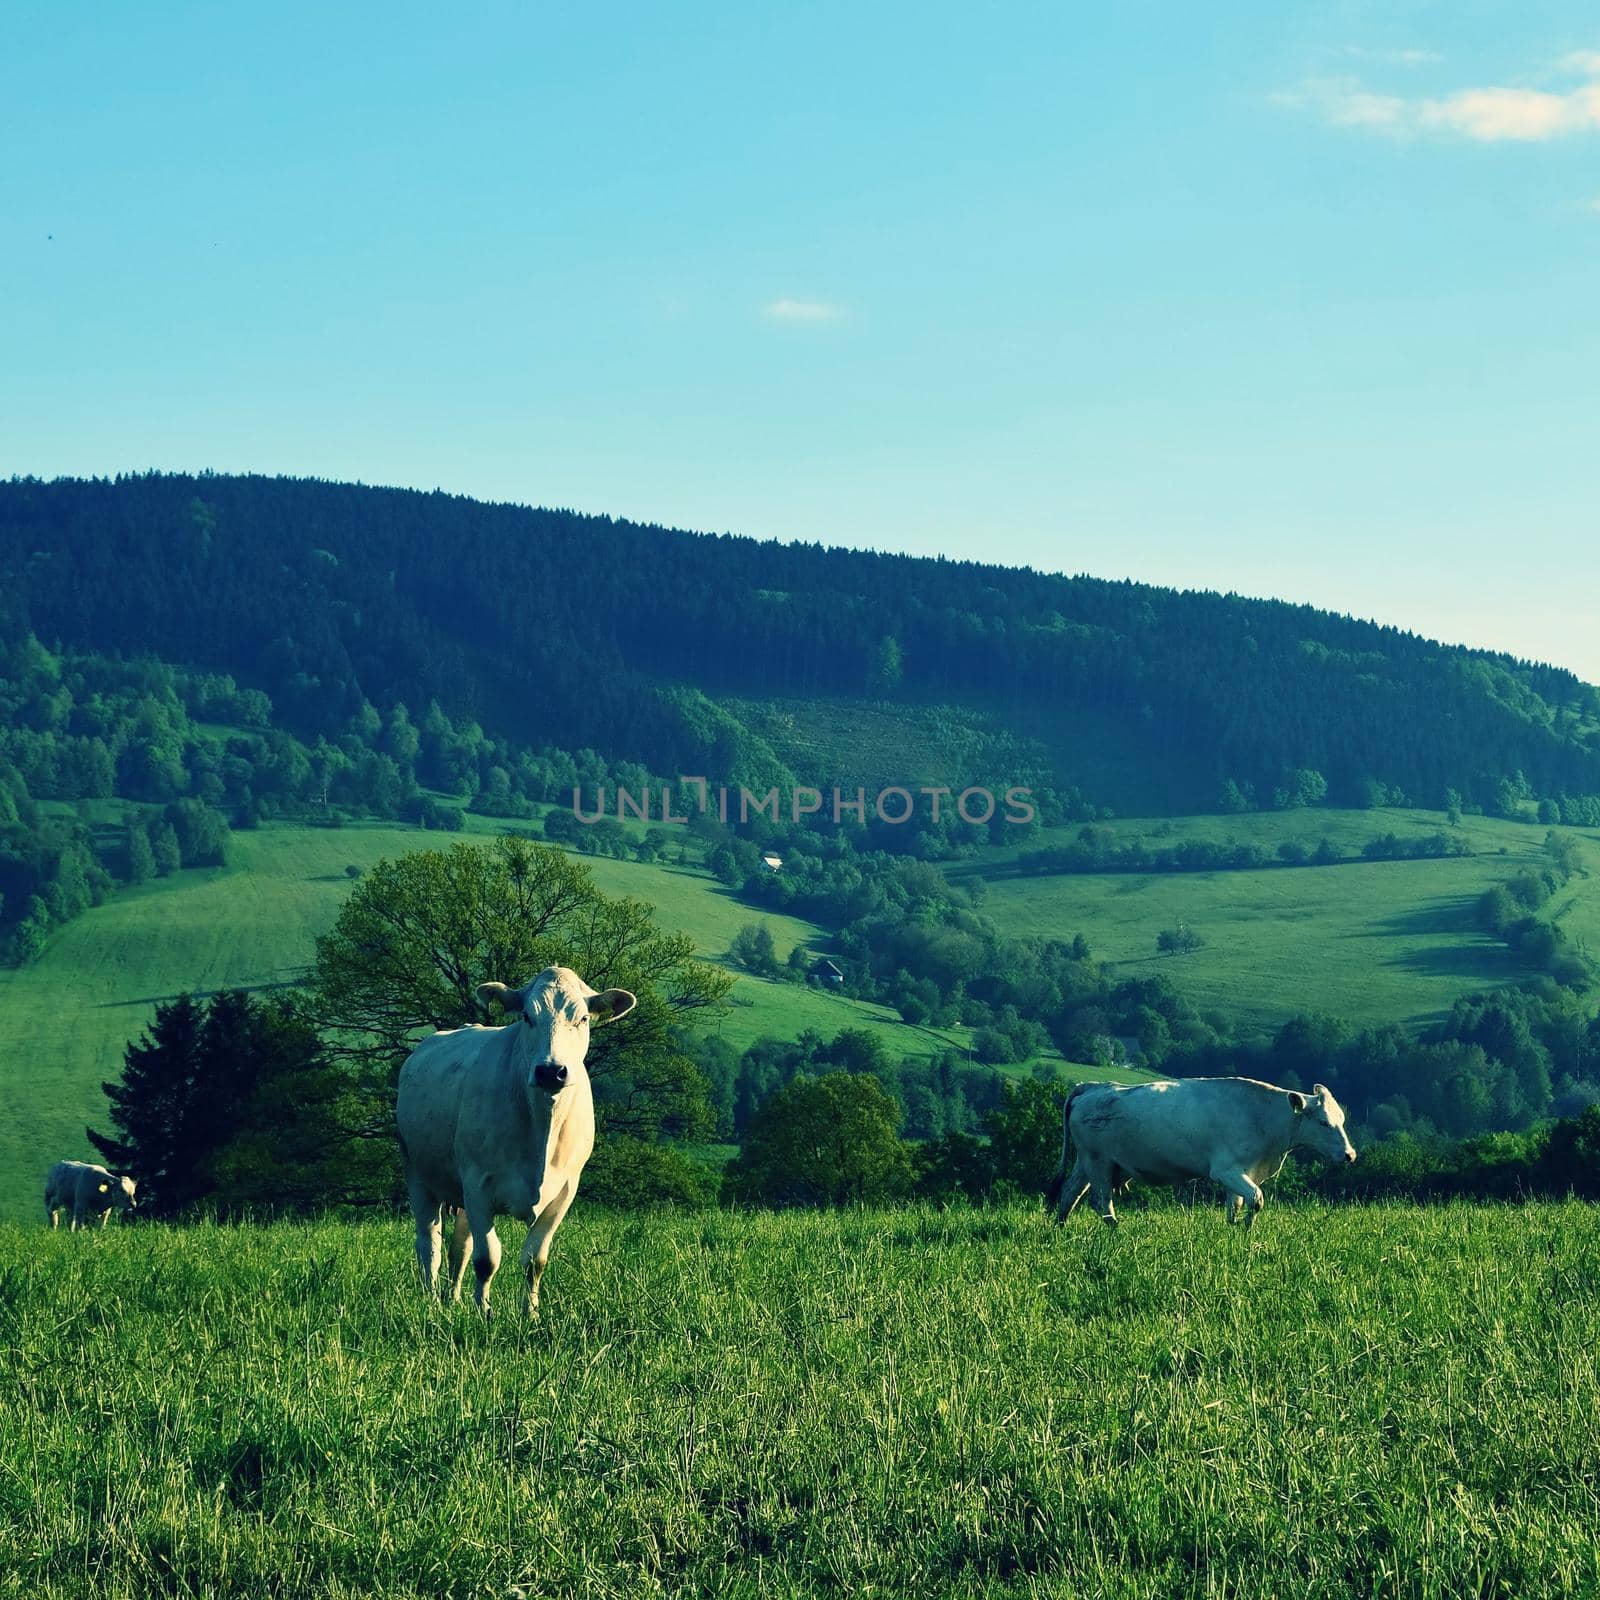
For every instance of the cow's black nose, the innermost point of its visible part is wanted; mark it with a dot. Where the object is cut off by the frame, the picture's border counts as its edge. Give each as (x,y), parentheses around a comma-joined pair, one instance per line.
(548,1075)
(1349,1155)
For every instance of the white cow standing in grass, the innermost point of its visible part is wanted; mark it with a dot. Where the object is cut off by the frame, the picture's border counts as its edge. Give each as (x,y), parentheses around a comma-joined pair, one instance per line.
(88,1191)
(1236,1131)
(499,1122)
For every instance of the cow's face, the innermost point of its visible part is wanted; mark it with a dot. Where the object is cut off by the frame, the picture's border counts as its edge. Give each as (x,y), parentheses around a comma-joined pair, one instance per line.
(557,1010)
(118,1192)
(1320,1121)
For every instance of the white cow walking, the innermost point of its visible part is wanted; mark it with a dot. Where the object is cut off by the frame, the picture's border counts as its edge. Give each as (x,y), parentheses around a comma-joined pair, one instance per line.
(88,1191)
(1236,1131)
(499,1122)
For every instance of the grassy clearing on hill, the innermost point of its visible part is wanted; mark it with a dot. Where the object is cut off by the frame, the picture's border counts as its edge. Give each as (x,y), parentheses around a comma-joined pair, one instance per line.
(914,741)
(1384,941)
(1357,1401)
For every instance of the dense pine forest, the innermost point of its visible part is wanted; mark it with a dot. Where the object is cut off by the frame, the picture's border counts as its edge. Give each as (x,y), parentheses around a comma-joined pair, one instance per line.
(647,645)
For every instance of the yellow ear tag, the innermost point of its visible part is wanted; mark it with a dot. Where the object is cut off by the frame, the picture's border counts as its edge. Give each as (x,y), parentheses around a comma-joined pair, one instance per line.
(105,1188)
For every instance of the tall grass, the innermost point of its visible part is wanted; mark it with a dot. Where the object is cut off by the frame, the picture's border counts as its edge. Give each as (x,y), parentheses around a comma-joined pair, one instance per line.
(1358,1401)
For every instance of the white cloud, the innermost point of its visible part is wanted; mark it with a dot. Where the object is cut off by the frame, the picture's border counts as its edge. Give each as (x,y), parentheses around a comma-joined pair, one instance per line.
(801,311)
(1344,103)
(1393,58)
(1491,114)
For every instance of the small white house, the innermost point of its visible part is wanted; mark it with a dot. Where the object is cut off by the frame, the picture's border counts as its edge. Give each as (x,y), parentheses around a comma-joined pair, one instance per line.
(772,863)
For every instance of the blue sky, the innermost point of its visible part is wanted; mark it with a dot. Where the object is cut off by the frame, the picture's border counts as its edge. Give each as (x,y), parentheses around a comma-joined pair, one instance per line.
(1298,300)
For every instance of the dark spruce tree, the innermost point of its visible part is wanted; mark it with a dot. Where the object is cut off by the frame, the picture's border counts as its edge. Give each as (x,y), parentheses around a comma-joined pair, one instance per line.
(232,1103)
(152,1110)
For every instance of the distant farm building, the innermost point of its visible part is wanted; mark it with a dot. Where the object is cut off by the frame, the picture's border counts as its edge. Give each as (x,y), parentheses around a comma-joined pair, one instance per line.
(772,863)
(826,971)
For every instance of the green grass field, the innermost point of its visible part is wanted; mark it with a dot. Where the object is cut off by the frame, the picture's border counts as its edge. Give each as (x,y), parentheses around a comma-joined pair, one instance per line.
(1357,1401)
(1386,941)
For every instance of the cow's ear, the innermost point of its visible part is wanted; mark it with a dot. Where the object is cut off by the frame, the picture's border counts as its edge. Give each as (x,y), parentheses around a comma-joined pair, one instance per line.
(609,1006)
(1297,1101)
(1320,1090)
(496,994)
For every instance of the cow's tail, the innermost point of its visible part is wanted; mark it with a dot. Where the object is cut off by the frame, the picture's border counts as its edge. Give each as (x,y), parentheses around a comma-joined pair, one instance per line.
(1052,1195)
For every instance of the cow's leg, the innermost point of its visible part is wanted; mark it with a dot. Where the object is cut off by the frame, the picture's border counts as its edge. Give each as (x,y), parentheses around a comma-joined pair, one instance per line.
(426,1209)
(1230,1207)
(1072,1191)
(1102,1183)
(430,1244)
(460,1245)
(105,1216)
(485,1248)
(1242,1190)
(536,1252)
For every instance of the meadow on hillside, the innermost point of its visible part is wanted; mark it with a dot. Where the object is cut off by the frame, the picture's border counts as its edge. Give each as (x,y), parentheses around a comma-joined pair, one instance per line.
(1370,941)
(1366,1400)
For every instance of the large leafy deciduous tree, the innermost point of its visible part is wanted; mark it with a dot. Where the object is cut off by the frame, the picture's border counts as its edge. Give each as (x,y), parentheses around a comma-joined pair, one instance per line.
(419,934)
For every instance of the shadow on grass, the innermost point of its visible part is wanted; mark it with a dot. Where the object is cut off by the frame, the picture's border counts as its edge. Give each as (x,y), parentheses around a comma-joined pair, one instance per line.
(1444,916)
(1487,968)
(204,994)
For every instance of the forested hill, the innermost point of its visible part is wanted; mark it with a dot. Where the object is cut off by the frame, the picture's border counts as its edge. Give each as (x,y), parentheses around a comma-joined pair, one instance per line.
(649,644)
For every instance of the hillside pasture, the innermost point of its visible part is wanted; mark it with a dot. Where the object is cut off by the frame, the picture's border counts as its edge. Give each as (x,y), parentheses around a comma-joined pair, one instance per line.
(1357,1401)
(1381,941)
